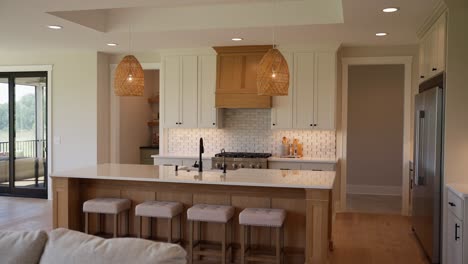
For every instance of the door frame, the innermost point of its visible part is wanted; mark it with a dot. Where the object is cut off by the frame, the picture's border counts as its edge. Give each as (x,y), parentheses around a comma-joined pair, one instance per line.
(407,61)
(115,111)
(48,69)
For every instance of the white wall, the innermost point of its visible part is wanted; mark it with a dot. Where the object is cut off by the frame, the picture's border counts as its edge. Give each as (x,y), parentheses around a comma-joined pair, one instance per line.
(74,103)
(103,107)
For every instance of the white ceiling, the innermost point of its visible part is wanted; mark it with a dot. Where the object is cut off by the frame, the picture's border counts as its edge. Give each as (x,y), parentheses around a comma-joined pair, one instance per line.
(164,24)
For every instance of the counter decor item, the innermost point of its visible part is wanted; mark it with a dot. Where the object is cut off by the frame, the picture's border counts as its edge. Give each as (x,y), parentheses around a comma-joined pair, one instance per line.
(284,147)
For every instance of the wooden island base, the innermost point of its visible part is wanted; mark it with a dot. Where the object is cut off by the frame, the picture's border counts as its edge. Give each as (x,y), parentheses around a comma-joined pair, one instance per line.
(307,230)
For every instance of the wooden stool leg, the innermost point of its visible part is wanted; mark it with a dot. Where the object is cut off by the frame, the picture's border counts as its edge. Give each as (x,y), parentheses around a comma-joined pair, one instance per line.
(199,257)
(128,223)
(231,241)
(180,229)
(99,223)
(116,224)
(223,244)
(150,227)
(190,242)
(278,246)
(140,225)
(242,243)
(169,227)
(86,223)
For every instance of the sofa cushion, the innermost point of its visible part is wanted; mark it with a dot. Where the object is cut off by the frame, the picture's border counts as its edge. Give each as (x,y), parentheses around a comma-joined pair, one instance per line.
(21,247)
(72,247)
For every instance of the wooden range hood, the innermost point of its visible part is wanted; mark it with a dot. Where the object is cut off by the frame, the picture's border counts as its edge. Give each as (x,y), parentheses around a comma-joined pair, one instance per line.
(236,78)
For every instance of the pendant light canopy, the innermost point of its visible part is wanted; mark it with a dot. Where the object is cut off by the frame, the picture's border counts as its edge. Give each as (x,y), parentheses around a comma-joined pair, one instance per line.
(129,77)
(273,74)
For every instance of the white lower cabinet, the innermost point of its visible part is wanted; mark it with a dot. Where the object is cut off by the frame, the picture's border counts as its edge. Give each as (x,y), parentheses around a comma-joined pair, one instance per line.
(457,252)
(295,165)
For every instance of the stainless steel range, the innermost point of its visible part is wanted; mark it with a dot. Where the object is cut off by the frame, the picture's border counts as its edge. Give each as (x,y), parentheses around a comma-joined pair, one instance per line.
(236,160)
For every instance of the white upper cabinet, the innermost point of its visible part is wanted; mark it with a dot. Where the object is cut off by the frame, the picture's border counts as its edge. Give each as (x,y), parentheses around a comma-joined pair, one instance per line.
(170,83)
(304,82)
(311,101)
(188,100)
(207,112)
(281,112)
(432,50)
(325,90)
(188,86)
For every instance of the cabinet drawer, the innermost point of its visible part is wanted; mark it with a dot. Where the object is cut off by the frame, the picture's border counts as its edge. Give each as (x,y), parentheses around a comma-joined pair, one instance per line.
(455,204)
(284,165)
(318,166)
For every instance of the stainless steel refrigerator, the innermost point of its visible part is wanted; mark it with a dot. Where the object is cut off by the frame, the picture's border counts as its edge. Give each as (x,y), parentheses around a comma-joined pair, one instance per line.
(426,185)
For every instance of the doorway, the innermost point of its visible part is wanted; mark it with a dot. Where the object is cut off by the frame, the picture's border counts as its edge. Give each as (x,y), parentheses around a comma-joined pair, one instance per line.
(23,134)
(405,140)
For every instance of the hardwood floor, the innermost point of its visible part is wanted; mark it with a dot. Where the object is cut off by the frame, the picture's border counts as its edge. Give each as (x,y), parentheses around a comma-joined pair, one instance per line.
(379,204)
(359,238)
(25,214)
(375,239)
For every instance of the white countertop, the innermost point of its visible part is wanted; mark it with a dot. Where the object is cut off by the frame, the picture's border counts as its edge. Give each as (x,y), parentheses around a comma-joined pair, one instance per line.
(181,156)
(459,189)
(240,177)
(303,159)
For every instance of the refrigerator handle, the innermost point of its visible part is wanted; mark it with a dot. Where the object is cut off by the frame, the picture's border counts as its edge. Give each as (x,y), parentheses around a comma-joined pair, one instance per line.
(418,179)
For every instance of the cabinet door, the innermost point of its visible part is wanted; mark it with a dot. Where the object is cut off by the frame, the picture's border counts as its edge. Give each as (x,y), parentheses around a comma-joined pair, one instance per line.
(303,110)
(281,113)
(189,84)
(325,91)
(433,51)
(207,113)
(422,61)
(441,30)
(171,91)
(454,240)
(427,56)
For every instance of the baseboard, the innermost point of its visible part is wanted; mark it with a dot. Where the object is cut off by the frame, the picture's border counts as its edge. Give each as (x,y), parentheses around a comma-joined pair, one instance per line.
(374,189)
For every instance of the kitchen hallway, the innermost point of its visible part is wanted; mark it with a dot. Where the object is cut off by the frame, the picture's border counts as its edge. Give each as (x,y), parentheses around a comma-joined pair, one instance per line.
(358,237)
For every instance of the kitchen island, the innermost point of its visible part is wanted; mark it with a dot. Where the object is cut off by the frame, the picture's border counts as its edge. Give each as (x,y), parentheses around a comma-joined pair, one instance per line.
(305,195)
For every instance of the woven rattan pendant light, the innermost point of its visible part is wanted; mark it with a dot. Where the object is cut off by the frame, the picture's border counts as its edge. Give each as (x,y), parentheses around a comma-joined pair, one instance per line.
(129,76)
(273,72)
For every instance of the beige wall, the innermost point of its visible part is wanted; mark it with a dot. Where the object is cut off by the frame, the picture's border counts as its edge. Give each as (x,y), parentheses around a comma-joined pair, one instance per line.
(135,112)
(103,108)
(375,124)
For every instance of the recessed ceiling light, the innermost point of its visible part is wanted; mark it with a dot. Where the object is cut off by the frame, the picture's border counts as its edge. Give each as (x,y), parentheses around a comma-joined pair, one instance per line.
(381,34)
(390,9)
(54,27)
(112,44)
(237,39)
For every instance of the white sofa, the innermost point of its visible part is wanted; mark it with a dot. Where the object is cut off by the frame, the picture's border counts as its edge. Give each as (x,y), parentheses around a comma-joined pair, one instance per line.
(72,247)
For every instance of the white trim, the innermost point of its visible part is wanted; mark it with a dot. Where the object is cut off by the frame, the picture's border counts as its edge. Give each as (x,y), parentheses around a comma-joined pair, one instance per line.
(115,111)
(374,190)
(407,61)
(48,68)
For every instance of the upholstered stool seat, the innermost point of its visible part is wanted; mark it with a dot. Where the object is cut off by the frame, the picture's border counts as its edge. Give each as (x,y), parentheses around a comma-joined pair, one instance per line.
(103,206)
(261,217)
(221,214)
(160,209)
(210,213)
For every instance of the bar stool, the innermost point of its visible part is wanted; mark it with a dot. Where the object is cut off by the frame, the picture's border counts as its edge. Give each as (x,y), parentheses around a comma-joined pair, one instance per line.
(103,206)
(160,209)
(210,213)
(261,217)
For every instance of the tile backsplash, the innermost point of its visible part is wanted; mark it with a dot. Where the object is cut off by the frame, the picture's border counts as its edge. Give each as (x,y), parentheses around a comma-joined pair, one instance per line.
(248,130)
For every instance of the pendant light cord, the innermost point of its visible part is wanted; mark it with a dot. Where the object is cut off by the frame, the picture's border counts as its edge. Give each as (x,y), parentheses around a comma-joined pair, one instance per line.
(273,28)
(129,39)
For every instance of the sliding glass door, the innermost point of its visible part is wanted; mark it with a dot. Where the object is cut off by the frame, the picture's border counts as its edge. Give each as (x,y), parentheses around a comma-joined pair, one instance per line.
(23,134)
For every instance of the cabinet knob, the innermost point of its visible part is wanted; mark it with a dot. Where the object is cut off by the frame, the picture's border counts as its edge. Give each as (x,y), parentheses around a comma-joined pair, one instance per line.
(422,76)
(274,124)
(434,69)
(177,123)
(311,125)
(214,124)
(315,125)
(451,204)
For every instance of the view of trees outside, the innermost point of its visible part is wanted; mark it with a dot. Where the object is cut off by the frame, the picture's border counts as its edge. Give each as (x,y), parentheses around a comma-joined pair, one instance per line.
(25,112)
